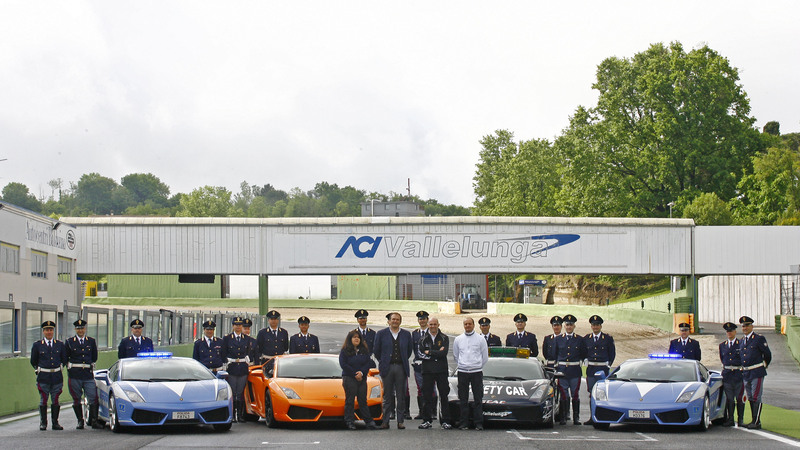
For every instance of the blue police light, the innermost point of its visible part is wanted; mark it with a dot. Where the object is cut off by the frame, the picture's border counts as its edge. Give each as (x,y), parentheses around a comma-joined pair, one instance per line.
(154,355)
(664,356)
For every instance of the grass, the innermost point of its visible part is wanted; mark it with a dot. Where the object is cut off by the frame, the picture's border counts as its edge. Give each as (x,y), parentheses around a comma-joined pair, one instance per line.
(640,297)
(777,420)
(204,303)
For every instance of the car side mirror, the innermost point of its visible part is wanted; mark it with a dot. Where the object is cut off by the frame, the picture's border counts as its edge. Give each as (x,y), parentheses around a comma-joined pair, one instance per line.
(222,375)
(101,375)
(374,372)
(269,373)
(715,378)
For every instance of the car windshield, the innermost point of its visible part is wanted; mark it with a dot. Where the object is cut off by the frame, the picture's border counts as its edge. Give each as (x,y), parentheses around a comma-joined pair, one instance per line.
(512,369)
(656,371)
(164,370)
(309,367)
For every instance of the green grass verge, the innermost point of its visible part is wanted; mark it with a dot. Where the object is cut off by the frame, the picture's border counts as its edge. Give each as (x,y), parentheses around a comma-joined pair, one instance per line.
(640,297)
(777,420)
(203,303)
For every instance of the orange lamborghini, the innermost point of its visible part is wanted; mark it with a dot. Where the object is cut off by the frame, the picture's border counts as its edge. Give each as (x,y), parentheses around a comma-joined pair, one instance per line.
(304,388)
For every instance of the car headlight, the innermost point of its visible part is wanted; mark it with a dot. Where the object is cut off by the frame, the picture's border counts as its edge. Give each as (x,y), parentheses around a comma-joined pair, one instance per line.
(541,392)
(290,393)
(223,394)
(375,392)
(133,396)
(686,397)
(600,393)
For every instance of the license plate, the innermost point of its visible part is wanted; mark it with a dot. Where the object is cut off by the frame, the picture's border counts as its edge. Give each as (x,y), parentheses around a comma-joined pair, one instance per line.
(182,415)
(638,414)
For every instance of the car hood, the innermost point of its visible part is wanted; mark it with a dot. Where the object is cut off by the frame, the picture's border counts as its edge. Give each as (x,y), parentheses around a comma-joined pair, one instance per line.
(507,390)
(648,391)
(174,391)
(317,389)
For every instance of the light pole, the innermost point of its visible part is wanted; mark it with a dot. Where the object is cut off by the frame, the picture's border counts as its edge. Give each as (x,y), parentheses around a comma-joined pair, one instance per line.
(670,204)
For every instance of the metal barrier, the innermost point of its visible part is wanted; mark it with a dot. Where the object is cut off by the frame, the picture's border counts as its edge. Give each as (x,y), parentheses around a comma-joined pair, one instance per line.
(7,328)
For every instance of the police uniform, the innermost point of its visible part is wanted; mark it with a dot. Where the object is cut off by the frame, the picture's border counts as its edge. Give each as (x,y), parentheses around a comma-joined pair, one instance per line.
(252,343)
(237,350)
(570,351)
(756,356)
(299,343)
(81,358)
(689,349)
(523,339)
(600,353)
(732,383)
(209,350)
(272,342)
(416,337)
(549,344)
(492,340)
(367,334)
(47,357)
(130,346)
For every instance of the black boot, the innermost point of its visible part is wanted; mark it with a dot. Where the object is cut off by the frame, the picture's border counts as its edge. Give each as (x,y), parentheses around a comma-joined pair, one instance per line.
(54,410)
(755,410)
(235,411)
(729,414)
(240,414)
(576,412)
(564,409)
(42,417)
(407,412)
(93,422)
(740,414)
(78,415)
(420,405)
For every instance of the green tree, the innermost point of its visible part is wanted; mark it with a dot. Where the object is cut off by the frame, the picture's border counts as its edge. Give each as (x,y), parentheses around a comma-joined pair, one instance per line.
(207,201)
(708,209)
(270,194)
(146,187)
(772,190)
(490,168)
(259,208)
(773,128)
(94,193)
(19,195)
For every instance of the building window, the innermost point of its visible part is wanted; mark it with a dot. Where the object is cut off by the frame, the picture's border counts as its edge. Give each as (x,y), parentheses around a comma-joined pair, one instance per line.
(38,264)
(9,258)
(64,270)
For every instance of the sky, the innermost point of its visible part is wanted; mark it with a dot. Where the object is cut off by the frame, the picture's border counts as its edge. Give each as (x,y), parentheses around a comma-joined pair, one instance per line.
(362,93)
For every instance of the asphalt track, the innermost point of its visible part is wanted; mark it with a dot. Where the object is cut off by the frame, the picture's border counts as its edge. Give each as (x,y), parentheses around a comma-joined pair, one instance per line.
(24,433)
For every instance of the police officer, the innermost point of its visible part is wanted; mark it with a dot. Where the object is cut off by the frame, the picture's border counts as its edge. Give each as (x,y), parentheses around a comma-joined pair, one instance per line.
(732,384)
(303,342)
(237,350)
(684,345)
(549,342)
(521,338)
(492,340)
(600,354)
(570,351)
(756,356)
(416,337)
(132,345)
(81,358)
(208,349)
(47,357)
(367,334)
(272,340)
(247,327)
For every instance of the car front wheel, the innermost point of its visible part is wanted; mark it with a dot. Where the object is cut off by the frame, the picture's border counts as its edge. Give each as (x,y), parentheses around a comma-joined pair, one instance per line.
(269,414)
(113,418)
(705,420)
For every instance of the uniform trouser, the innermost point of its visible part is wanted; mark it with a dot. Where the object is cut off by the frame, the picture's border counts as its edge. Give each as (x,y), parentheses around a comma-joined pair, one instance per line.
(753,388)
(429,395)
(474,381)
(354,389)
(49,390)
(237,383)
(570,387)
(734,392)
(591,379)
(82,387)
(395,386)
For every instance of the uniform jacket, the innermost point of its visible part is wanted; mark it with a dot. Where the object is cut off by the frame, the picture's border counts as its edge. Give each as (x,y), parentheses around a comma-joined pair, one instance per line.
(549,349)
(416,338)
(384,342)
(129,349)
(730,356)
(369,337)
(754,350)
(240,349)
(211,356)
(299,344)
(356,362)
(49,358)
(270,345)
(603,351)
(436,360)
(689,351)
(528,340)
(493,340)
(570,349)
(78,353)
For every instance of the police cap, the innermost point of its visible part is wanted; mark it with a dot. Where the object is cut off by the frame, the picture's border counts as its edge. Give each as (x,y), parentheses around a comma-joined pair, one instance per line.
(362,313)
(422,314)
(744,320)
(729,326)
(209,325)
(238,320)
(137,323)
(570,319)
(683,326)
(273,315)
(520,318)
(304,319)
(596,320)
(48,324)
(556,320)
(80,323)
(247,323)
(484,321)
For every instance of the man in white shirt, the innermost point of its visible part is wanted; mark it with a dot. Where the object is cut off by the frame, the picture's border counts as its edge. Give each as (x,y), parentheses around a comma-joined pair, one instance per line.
(471,353)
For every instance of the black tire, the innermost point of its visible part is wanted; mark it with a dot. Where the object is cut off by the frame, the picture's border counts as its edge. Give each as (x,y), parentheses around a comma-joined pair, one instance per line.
(705,420)
(269,415)
(551,423)
(113,419)
(222,426)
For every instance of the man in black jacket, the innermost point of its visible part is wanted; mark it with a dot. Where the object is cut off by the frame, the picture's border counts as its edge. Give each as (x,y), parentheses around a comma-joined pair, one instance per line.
(81,357)
(47,357)
(433,350)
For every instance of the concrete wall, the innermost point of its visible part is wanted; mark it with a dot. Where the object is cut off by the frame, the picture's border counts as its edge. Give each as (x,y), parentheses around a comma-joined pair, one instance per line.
(793,336)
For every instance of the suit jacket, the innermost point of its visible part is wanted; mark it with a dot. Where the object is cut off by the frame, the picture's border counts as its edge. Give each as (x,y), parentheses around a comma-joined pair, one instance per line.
(601,351)
(384,342)
(369,337)
(212,356)
(297,344)
(78,353)
(493,340)
(570,350)
(49,358)
(234,349)
(128,348)
(270,345)
(549,349)
(528,340)
(754,350)
(689,351)
(731,356)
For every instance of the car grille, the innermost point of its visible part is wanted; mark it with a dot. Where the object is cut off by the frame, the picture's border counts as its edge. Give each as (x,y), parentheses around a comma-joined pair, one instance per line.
(607,415)
(216,415)
(301,413)
(674,416)
(143,416)
(374,411)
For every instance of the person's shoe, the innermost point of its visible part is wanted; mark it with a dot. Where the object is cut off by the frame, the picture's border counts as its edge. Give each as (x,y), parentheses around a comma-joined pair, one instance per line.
(479,427)
(54,411)
(42,417)
(463,428)
(424,425)
(351,426)
(754,426)
(589,422)
(576,422)
(372,426)
(400,426)
(562,421)
(446,426)
(391,415)
(385,425)
(79,415)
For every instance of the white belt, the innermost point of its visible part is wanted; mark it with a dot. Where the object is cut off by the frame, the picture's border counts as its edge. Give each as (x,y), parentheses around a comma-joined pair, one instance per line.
(42,369)
(732,367)
(80,366)
(597,363)
(246,359)
(570,363)
(550,362)
(754,366)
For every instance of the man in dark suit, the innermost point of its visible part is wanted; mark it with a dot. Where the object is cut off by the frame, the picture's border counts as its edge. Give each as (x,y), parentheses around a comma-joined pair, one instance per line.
(272,340)
(521,338)
(600,354)
(208,350)
(684,345)
(81,356)
(756,356)
(549,342)
(367,334)
(303,342)
(132,345)
(393,347)
(47,357)
(732,383)
(570,351)
(238,353)
(492,340)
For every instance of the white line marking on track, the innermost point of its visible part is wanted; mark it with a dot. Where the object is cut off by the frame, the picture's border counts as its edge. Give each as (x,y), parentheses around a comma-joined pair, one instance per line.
(20,417)
(550,436)
(290,443)
(772,436)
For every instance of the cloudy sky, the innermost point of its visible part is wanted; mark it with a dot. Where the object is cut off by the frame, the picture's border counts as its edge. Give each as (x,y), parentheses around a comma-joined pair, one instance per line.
(361,93)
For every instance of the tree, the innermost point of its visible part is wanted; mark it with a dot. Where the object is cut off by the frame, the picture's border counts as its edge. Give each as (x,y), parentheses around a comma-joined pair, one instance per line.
(270,194)
(94,193)
(773,128)
(207,201)
(490,168)
(19,195)
(146,187)
(772,190)
(708,209)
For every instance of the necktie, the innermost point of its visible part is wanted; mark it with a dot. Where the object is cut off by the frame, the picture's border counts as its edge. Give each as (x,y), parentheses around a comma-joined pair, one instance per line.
(486,337)
(238,338)
(81,341)
(519,335)
(138,341)
(568,336)
(684,343)
(275,333)
(595,339)
(50,344)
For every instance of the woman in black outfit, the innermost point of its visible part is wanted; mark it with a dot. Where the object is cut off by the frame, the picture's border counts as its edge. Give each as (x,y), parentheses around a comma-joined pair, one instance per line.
(355,361)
